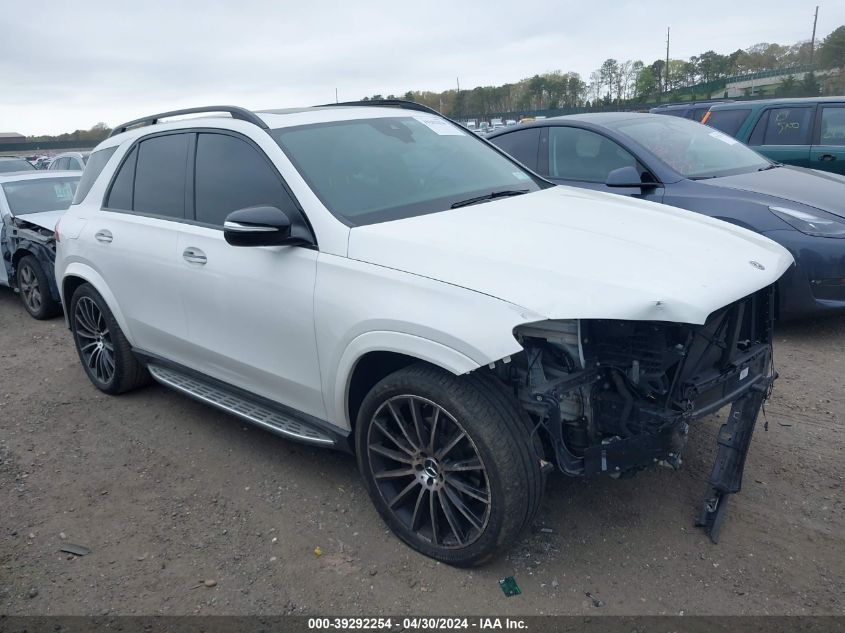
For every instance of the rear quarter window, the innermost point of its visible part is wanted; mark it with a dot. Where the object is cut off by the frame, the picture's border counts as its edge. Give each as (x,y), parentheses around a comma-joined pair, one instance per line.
(94,167)
(728,121)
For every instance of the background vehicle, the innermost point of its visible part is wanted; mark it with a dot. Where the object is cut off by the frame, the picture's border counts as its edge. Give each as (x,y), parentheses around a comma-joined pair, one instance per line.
(69,161)
(8,165)
(378,279)
(695,110)
(802,132)
(687,165)
(30,204)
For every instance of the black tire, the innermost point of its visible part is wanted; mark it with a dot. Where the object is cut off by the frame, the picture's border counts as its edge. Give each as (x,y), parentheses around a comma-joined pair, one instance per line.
(34,288)
(476,511)
(104,352)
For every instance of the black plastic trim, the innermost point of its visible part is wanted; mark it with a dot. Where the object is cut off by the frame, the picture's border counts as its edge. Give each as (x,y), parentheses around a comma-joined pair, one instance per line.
(241,114)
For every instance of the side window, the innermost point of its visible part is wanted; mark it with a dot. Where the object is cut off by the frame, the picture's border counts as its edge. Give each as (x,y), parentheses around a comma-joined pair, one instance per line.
(97,161)
(699,113)
(759,132)
(576,154)
(832,131)
(788,126)
(120,195)
(160,176)
(60,163)
(230,175)
(522,145)
(728,121)
(75,163)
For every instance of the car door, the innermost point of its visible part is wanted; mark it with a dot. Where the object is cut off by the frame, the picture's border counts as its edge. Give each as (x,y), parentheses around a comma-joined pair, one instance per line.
(250,310)
(584,158)
(133,241)
(828,150)
(783,134)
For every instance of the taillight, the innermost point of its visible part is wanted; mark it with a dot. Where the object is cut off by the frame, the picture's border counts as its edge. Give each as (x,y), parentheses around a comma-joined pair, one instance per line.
(706,117)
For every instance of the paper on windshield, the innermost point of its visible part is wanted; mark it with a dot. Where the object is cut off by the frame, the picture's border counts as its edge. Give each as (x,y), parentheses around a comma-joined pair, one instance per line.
(724,138)
(440,126)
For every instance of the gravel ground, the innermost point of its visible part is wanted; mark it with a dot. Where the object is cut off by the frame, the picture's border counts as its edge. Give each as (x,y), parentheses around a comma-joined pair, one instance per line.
(186,510)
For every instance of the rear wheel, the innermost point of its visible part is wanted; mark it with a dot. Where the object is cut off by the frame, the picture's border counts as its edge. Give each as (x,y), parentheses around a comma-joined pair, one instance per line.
(448,463)
(34,288)
(105,352)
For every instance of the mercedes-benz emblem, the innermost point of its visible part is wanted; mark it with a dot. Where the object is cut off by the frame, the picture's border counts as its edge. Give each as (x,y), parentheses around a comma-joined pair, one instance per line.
(757,265)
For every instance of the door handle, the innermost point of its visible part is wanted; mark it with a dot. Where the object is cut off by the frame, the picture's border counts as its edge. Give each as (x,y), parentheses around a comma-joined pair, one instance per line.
(104,235)
(827,157)
(194,255)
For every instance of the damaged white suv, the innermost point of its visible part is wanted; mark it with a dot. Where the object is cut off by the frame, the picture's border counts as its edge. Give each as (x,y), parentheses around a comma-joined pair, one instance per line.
(375,278)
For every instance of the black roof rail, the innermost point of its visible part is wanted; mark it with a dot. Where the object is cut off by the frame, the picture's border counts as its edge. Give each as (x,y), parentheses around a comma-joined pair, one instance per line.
(242,114)
(389,103)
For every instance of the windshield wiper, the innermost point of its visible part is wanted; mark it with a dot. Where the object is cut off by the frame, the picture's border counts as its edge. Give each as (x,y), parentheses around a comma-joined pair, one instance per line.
(490,196)
(772,166)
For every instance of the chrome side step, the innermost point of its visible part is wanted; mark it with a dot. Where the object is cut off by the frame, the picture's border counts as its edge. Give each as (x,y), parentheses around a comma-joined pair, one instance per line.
(258,414)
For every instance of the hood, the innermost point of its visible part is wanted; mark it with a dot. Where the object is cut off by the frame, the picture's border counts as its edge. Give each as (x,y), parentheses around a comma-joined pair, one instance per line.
(573,253)
(792,184)
(44,219)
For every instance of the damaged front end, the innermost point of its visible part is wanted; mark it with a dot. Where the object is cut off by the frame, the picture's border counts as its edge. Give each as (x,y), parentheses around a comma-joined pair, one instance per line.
(614,396)
(20,237)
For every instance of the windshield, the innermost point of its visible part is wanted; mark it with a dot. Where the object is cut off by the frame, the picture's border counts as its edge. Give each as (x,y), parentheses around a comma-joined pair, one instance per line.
(693,150)
(44,194)
(375,170)
(15,164)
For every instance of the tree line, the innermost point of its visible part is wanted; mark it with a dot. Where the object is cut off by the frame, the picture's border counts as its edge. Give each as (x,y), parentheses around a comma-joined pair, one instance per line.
(629,82)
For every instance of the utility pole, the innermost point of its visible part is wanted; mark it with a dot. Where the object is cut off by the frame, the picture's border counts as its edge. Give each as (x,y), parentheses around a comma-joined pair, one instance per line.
(458,80)
(335,95)
(667,59)
(813,40)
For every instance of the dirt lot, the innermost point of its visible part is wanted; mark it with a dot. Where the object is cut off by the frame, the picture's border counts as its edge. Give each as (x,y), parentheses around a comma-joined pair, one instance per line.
(167,493)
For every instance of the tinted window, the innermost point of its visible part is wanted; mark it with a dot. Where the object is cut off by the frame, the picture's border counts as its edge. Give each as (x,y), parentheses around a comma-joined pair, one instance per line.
(230,175)
(59,163)
(832,126)
(120,195)
(522,145)
(576,154)
(160,176)
(43,194)
(788,126)
(379,169)
(93,168)
(728,121)
(15,164)
(699,113)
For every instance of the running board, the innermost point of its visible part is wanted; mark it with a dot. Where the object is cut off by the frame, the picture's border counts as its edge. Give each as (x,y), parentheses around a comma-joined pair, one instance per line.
(283,424)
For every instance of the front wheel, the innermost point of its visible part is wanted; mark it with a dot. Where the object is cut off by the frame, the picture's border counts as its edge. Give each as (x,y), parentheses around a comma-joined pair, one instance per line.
(448,463)
(34,288)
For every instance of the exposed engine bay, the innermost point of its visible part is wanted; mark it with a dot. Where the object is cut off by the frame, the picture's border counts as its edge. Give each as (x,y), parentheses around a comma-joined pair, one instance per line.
(612,396)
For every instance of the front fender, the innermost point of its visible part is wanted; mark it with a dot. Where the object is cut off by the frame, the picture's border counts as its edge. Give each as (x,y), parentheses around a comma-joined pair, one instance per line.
(91,276)
(385,341)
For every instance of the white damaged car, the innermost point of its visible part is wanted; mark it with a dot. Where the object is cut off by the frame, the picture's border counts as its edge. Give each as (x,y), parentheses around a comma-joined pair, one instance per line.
(375,278)
(30,204)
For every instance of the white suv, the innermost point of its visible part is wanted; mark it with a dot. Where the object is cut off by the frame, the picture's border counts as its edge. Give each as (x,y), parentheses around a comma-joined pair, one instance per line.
(377,279)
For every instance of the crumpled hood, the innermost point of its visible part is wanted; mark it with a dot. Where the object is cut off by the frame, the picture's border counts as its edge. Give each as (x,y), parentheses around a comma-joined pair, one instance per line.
(44,219)
(792,184)
(574,253)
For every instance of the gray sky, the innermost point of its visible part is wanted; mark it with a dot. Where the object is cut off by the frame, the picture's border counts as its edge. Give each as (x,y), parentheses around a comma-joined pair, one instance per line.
(68,65)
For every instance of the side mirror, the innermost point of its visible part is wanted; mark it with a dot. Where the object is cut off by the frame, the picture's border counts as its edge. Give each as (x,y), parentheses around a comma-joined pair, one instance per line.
(257,226)
(627,177)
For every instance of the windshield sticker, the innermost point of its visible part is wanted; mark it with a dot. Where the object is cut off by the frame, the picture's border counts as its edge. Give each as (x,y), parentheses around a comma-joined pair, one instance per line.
(440,126)
(519,175)
(724,138)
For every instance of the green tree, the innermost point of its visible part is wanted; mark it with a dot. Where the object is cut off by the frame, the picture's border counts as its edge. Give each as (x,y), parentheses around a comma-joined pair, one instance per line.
(831,53)
(810,85)
(788,87)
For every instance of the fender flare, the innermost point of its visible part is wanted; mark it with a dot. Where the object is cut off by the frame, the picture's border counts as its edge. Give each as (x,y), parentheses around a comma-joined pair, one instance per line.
(91,276)
(388,341)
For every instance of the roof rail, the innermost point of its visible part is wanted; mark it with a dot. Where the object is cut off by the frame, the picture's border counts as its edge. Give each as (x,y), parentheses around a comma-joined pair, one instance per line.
(242,114)
(389,103)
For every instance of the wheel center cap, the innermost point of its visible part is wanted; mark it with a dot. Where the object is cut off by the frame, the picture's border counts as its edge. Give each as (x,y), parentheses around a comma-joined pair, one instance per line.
(431,468)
